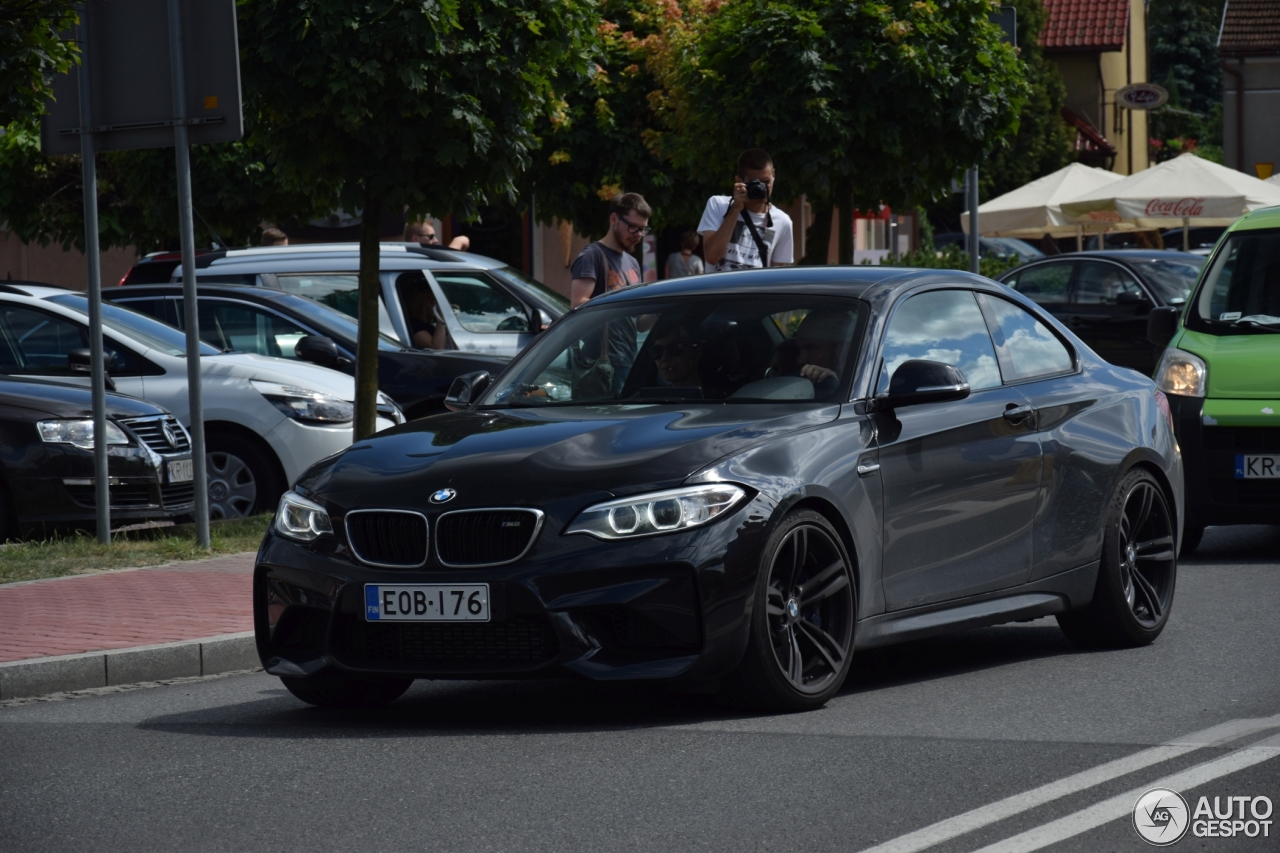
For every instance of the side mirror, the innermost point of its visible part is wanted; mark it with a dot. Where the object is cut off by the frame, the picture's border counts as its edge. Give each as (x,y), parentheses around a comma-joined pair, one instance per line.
(1162,324)
(466,389)
(1131,297)
(544,320)
(320,350)
(918,381)
(81,361)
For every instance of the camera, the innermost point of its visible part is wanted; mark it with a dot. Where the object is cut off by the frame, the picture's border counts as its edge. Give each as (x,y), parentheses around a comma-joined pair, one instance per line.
(757,189)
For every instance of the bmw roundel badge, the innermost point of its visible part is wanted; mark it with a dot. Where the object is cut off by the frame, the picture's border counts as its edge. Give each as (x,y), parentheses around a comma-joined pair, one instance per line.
(443,496)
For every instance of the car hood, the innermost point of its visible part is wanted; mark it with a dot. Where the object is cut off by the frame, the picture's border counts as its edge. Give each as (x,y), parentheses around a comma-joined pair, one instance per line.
(1240,366)
(66,401)
(524,455)
(242,365)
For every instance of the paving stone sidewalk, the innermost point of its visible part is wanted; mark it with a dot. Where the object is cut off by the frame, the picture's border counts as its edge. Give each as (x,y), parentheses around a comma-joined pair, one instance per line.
(126,608)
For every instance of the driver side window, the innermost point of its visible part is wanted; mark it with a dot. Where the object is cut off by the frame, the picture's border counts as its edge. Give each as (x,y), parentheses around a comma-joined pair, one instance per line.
(481,305)
(944,326)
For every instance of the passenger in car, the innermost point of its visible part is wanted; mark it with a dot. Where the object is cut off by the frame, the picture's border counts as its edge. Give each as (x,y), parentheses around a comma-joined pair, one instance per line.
(426,322)
(677,354)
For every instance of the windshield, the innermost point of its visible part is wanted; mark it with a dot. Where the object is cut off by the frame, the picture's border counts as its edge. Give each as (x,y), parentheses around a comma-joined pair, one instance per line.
(152,334)
(1241,292)
(336,324)
(794,349)
(520,280)
(1173,280)
(1008,247)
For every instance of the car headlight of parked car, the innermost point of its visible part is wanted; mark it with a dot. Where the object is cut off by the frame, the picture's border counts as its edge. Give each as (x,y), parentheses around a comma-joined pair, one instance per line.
(303,405)
(1181,373)
(301,519)
(658,512)
(78,432)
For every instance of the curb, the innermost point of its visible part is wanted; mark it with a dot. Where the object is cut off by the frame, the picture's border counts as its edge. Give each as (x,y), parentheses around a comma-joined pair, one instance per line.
(22,679)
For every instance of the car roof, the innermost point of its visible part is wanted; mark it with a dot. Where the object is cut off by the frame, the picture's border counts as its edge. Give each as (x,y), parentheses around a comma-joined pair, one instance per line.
(340,257)
(1267,217)
(1122,256)
(37,289)
(871,282)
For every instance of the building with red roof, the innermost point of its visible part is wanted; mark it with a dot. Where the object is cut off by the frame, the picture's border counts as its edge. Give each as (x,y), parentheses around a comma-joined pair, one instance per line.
(1249,48)
(1100,46)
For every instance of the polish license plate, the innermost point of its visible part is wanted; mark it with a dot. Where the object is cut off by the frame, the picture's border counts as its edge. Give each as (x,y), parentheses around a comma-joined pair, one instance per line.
(180,471)
(426,602)
(1257,467)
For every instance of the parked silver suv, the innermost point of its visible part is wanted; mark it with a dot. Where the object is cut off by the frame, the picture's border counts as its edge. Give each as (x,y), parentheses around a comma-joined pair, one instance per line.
(486,305)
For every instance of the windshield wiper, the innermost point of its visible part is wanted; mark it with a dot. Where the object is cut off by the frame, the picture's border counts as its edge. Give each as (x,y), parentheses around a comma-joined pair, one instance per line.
(1260,321)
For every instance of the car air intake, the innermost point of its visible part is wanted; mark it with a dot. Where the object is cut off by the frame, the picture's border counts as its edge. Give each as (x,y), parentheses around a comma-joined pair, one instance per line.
(163,434)
(388,537)
(485,537)
(519,641)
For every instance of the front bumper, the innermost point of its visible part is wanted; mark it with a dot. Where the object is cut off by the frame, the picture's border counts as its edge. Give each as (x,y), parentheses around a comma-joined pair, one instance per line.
(299,445)
(63,492)
(671,606)
(1209,450)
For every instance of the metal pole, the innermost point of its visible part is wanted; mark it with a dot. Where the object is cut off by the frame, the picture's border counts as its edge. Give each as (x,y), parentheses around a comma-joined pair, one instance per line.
(186,229)
(98,372)
(971,189)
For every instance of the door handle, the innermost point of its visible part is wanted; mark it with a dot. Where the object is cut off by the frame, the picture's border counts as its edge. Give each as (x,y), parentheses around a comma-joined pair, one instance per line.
(1016,414)
(867,468)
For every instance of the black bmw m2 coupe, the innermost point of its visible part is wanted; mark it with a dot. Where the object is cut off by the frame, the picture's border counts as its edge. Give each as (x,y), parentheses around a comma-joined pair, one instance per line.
(737,479)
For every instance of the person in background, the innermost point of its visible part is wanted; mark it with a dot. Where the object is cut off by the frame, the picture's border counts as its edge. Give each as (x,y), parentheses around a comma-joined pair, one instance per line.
(1049,246)
(425,233)
(274,237)
(685,262)
(744,231)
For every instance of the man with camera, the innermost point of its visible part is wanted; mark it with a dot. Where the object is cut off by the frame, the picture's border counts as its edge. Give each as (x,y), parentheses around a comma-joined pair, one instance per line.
(744,231)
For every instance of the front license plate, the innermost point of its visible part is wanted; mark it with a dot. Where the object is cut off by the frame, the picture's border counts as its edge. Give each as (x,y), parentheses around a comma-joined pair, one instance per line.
(426,602)
(1257,467)
(180,471)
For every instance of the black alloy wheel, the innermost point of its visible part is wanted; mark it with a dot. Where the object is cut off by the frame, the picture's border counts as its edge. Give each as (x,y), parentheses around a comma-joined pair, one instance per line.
(1138,571)
(802,630)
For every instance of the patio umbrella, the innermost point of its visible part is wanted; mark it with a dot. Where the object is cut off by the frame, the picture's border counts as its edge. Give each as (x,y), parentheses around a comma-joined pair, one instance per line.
(1035,209)
(1187,190)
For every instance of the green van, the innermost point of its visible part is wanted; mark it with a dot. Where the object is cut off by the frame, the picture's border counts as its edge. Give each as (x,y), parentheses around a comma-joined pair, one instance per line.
(1221,374)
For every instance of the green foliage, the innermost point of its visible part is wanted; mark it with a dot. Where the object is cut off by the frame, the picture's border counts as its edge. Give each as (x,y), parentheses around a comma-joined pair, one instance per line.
(600,142)
(1043,141)
(233,190)
(31,52)
(952,258)
(1182,48)
(896,97)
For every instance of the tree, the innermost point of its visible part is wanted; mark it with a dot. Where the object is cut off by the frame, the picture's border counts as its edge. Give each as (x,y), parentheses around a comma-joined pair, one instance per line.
(1183,39)
(1043,140)
(859,103)
(406,104)
(32,50)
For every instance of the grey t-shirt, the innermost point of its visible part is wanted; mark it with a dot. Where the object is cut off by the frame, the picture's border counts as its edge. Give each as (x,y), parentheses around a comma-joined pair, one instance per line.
(612,271)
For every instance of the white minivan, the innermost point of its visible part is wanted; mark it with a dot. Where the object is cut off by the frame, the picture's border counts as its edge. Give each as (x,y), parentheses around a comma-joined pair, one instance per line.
(266,419)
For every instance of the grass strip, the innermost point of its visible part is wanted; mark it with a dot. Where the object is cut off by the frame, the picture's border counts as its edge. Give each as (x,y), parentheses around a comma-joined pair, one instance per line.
(80,553)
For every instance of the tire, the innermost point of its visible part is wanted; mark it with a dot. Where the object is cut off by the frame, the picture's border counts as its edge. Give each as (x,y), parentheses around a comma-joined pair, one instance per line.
(347,691)
(242,477)
(803,616)
(1191,536)
(1137,574)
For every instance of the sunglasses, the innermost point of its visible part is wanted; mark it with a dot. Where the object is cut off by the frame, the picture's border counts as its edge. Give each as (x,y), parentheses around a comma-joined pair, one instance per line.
(671,350)
(635,229)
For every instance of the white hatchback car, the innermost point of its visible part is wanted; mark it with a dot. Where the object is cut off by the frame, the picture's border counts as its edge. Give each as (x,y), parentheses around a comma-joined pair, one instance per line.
(266,419)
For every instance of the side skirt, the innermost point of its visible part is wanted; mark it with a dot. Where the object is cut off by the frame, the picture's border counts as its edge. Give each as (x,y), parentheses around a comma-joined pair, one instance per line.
(1057,594)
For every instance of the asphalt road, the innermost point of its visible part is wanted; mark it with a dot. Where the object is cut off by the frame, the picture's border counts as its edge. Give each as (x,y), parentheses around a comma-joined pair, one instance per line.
(976,724)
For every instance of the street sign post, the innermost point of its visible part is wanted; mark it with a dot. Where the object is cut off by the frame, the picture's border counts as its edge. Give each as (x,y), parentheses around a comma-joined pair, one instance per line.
(122,98)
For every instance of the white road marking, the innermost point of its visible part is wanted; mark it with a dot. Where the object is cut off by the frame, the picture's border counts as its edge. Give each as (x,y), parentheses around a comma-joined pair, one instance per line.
(922,839)
(1122,805)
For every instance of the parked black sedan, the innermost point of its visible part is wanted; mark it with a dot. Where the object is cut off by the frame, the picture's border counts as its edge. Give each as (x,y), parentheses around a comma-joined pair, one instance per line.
(1105,297)
(738,477)
(268,322)
(46,458)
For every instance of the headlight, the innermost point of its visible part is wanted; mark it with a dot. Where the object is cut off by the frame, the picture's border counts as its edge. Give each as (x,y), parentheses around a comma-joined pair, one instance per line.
(78,433)
(299,518)
(303,405)
(658,512)
(1181,373)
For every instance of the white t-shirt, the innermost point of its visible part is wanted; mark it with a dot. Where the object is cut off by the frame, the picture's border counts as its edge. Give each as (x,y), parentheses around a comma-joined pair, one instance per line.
(742,253)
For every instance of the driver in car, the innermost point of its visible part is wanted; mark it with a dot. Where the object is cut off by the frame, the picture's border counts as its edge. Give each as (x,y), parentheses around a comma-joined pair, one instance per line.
(819,343)
(677,353)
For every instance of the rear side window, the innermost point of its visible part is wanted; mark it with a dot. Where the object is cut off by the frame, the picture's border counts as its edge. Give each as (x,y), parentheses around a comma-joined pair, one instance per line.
(1028,349)
(159,307)
(945,326)
(1046,284)
(1101,283)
